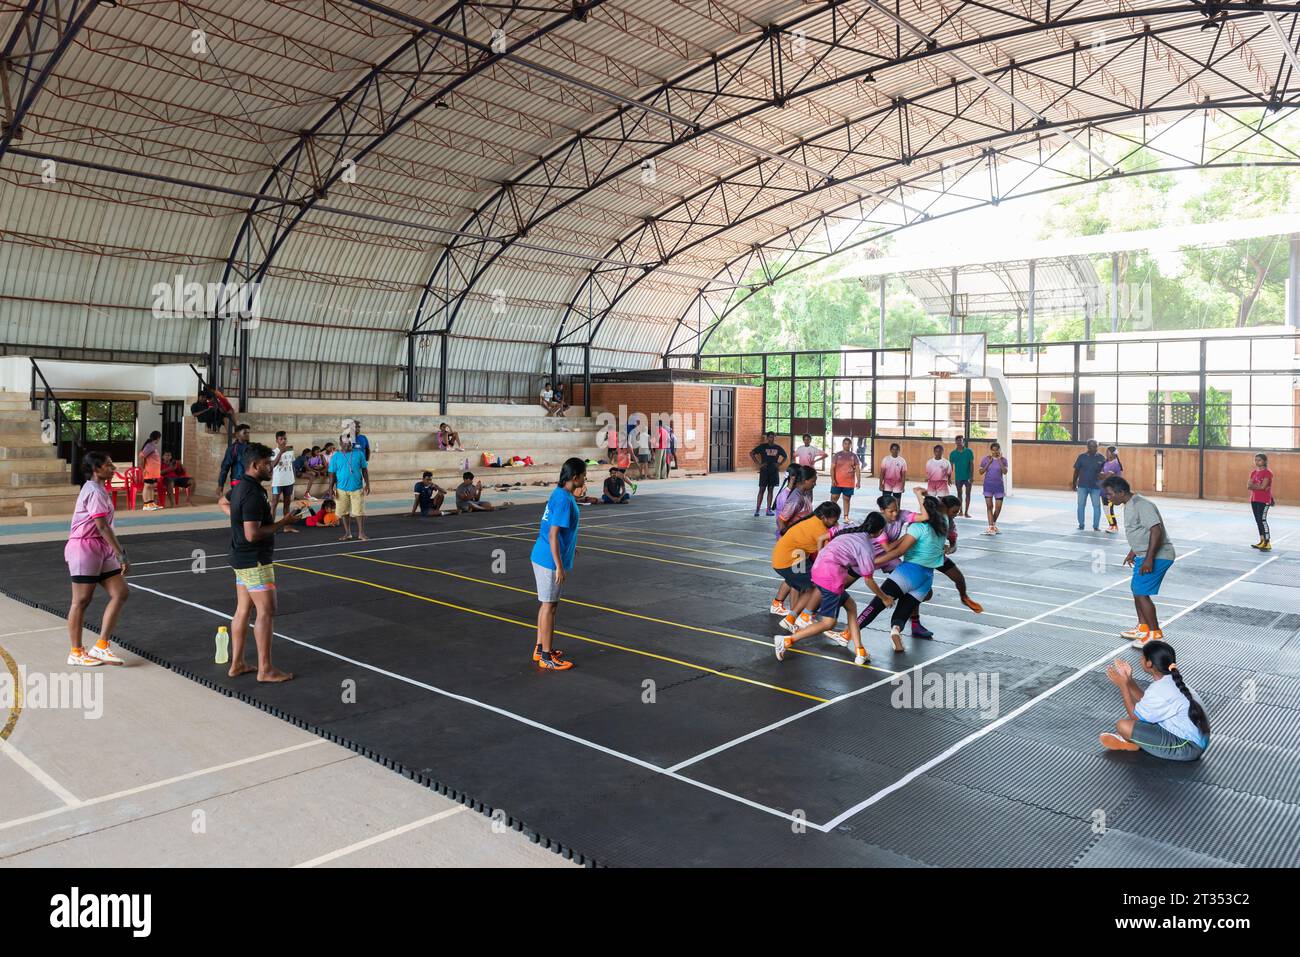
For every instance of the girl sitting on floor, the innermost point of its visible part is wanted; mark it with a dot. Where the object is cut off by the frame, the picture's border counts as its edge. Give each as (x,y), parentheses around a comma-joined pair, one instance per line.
(1166,719)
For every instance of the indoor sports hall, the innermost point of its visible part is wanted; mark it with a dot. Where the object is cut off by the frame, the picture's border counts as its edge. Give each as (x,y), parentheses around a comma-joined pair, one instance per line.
(656,434)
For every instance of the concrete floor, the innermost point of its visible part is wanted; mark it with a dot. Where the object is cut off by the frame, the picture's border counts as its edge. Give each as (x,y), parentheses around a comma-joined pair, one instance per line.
(174,775)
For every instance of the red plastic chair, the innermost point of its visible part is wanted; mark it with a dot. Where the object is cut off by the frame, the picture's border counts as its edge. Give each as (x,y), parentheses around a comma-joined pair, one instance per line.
(130,481)
(175,492)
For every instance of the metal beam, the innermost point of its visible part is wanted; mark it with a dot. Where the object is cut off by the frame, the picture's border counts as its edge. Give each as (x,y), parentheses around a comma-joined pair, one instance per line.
(42,35)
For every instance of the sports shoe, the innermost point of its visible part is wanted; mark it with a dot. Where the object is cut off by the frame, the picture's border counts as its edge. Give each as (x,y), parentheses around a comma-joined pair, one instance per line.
(756,513)
(1258,544)
(1137,631)
(1080,528)
(804,619)
(104,655)
(778,608)
(79,657)
(779,645)
(1111,530)
(788,623)
(972,604)
(920,631)
(555,653)
(896,636)
(554,664)
(860,656)
(1266,547)
(1113,742)
(837,638)
(770,513)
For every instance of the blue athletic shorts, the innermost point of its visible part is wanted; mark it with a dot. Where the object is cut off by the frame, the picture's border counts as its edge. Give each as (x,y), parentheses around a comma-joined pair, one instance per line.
(831,603)
(845,490)
(1150,584)
(912,579)
(799,581)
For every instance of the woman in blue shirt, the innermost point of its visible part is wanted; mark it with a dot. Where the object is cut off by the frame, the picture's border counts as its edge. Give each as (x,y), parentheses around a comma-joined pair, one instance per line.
(553,552)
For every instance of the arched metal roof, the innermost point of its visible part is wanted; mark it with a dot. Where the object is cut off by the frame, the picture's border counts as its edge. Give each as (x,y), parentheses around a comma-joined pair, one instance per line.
(613,172)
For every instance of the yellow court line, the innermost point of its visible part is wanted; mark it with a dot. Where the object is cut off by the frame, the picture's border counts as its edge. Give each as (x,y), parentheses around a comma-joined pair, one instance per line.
(616,611)
(566,634)
(17,708)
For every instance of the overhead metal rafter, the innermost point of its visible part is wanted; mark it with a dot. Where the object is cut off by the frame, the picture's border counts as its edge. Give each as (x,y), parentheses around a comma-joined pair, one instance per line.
(409,81)
(752,194)
(842,229)
(43,33)
(722,94)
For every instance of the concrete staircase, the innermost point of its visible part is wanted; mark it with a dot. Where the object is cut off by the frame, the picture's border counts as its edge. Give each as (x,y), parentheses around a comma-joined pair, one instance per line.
(404,444)
(33,479)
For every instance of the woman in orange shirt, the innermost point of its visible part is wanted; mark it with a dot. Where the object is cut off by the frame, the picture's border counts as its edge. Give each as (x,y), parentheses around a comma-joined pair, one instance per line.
(846,476)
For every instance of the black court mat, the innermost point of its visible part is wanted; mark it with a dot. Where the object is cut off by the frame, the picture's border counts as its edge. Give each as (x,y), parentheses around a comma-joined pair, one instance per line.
(679,740)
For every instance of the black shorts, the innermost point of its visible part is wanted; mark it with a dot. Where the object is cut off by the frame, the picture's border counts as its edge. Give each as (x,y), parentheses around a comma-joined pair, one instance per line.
(180,482)
(768,478)
(799,581)
(962,483)
(947,566)
(96,579)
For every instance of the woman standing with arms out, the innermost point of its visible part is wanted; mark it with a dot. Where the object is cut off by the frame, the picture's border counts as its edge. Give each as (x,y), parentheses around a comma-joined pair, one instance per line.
(95,557)
(994,467)
(1112,466)
(1261,500)
(553,554)
(846,476)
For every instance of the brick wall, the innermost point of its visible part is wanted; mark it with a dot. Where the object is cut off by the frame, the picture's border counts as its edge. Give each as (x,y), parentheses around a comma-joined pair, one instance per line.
(688,404)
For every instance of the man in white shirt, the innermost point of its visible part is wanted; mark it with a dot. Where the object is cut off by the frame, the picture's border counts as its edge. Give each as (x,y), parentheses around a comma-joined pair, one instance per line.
(548,400)
(642,438)
(282,476)
(808,454)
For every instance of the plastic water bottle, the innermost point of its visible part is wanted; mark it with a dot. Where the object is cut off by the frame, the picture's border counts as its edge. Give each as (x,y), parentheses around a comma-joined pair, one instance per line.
(464,465)
(223,646)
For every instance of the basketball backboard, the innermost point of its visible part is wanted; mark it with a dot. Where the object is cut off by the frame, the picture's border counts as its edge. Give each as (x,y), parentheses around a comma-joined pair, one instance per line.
(954,356)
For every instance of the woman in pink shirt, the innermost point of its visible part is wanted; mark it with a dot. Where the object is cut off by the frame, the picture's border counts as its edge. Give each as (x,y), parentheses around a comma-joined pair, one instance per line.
(938,473)
(1261,500)
(893,472)
(95,557)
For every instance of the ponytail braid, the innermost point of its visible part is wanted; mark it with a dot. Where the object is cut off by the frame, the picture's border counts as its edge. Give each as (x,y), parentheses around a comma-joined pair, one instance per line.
(1161,656)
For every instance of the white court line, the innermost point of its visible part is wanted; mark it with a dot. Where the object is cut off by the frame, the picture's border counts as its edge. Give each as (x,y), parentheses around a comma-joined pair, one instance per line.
(140,789)
(27,764)
(379,838)
(611,752)
(883,681)
(992,726)
(33,631)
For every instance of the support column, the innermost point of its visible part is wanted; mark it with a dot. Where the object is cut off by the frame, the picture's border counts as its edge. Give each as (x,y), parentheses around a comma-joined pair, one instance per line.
(1114,292)
(586,378)
(412,392)
(952,303)
(214,353)
(1293,285)
(443,336)
(1029,311)
(884,285)
(243,369)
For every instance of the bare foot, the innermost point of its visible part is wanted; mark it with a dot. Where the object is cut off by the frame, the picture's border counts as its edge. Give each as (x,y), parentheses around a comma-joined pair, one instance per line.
(345,538)
(274,675)
(238,668)
(292,531)
(363,538)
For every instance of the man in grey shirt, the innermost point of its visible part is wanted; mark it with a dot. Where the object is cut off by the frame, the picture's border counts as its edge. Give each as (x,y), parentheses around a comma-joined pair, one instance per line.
(1145,529)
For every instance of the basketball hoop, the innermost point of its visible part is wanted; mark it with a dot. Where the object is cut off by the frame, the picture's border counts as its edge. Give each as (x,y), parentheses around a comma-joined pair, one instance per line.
(939,374)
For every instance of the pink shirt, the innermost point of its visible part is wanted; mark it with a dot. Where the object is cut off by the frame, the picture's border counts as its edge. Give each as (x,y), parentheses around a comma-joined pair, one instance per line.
(1264,495)
(94,501)
(892,468)
(845,555)
(937,474)
(806,454)
(661,438)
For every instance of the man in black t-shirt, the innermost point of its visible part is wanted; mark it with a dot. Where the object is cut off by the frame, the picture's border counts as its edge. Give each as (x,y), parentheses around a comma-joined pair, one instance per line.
(428,497)
(252,551)
(768,457)
(1086,483)
(615,490)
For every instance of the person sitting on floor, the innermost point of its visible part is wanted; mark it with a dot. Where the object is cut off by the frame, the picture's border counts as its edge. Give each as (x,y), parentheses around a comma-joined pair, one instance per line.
(325,516)
(428,498)
(449,439)
(469,496)
(615,491)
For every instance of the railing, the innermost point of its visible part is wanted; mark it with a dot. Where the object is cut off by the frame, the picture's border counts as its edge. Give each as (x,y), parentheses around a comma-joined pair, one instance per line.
(44,401)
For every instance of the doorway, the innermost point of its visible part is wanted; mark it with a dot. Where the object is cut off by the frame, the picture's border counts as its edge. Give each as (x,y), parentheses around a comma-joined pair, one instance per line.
(722,427)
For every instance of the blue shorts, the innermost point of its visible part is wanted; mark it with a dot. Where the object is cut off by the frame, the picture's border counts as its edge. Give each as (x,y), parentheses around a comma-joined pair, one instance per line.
(799,581)
(913,579)
(845,490)
(1150,584)
(831,603)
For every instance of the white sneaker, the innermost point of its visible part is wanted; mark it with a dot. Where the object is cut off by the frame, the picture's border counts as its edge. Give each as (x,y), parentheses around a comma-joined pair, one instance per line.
(81,659)
(779,646)
(778,608)
(788,624)
(861,659)
(804,619)
(104,655)
(837,638)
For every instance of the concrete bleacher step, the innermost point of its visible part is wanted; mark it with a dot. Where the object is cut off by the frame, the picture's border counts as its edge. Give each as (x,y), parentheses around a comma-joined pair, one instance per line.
(44,463)
(8,416)
(361,409)
(37,478)
(326,427)
(28,452)
(28,438)
(503,443)
(397,486)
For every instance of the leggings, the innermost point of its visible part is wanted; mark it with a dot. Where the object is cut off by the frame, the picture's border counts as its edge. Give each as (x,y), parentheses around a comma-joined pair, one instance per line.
(1261,518)
(905,607)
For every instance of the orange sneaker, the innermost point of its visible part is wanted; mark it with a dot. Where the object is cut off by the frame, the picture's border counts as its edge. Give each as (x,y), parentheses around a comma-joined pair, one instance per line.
(1113,742)
(778,608)
(555,653)
(972,604)
(554,664)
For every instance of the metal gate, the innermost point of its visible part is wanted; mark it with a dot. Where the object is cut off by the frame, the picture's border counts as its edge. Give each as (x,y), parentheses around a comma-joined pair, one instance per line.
(722,416)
